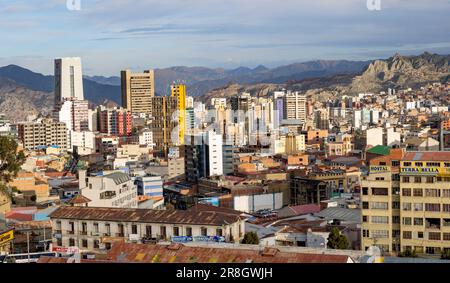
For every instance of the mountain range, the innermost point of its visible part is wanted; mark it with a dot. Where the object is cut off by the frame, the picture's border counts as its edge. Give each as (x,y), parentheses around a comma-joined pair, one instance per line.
(32,92)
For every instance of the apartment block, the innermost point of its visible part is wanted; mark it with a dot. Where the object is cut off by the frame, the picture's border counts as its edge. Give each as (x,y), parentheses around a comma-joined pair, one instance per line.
(137,91)
(44,133)
(94,229)
(406,203)
(115,189)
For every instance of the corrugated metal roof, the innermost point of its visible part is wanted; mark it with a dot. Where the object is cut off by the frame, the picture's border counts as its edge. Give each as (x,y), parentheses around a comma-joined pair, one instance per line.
(202,216)
(343,214)
(123,252)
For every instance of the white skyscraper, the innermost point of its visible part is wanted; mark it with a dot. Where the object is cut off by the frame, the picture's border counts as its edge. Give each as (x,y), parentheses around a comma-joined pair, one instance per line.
(214,143)
(68,79)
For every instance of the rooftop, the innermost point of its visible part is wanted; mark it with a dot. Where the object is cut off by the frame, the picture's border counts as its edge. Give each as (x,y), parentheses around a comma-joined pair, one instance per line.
(178,253)
(201,216)
(427,156)
(380,150)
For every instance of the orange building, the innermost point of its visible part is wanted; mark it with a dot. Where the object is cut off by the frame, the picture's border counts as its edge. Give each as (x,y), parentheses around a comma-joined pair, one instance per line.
(29,182)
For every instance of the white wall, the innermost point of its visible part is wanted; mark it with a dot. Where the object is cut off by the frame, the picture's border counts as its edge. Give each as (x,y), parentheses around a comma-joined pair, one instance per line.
(257,202)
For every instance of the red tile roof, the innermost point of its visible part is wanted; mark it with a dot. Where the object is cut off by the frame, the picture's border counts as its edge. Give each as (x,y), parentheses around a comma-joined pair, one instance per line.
(305,209)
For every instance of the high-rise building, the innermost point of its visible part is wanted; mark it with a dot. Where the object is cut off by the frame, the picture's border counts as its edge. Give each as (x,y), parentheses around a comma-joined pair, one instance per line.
(68,79)
(44,133)
(406,203)
(203,156)
(115,121)
(179,91)
(295,106)
(163,123)
(137,91)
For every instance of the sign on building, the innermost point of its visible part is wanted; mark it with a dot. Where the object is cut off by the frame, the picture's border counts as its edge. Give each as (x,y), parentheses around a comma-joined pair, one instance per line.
(6,237)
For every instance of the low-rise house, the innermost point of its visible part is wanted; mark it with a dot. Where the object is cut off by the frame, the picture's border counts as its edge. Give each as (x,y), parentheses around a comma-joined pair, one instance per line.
(93,228)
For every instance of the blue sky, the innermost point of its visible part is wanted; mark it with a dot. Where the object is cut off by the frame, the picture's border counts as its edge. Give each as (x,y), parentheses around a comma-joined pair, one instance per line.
(110,35)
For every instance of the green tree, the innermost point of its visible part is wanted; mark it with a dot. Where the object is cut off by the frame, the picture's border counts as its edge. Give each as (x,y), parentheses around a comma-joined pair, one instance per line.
(408,253)
(337,241)
(250,238)
(10,161)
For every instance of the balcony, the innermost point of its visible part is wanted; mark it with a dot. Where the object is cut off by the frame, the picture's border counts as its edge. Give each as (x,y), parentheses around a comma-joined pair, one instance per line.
(70,232)
(83,233)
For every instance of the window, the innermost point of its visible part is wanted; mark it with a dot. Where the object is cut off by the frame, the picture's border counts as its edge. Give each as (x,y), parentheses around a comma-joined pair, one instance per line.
(432,193)
(176,231)
(95,227)
(377,234)
(435,236)
(435,207)
(420,235)
(59,242)
(407,235)
(406,220)
(58,225)
(446,237)
(418,192)
(71,228)
(405,179)
(395,205)
(380,219)
(430,179)
(148,231)
(71,242)
(84,243)
(418,221)
(446,207)
(419,164)
(364,218)
(365,191)
(417,179)
(219,232)
(406,206)
(446,164)
(446,193)
(365,205)
(162,231)
(189,231)
(108,229)
(379,191)
(433,164)
(396,233)
(432,250)
(365,233)
(396,219)
(379,205)
(96,244)
(406,192)
(395,191)
(204,231)
(418,206)
(83,228)
(395,163)
(406,164)
(134,229)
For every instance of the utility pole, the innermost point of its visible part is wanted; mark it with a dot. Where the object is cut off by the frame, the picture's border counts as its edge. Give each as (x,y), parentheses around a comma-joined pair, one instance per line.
(28,245)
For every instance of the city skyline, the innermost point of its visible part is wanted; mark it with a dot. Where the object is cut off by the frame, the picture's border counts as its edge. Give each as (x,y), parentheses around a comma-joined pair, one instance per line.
(229,34)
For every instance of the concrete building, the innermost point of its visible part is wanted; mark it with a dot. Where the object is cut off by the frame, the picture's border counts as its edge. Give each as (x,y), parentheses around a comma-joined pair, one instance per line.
(111,190)
(114,121)
(68,79)
(137,91)
(44,133)
(149,185)
(179,91)
(95,229)
(176,168)
(163,123)
(203,156)
(295,106)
